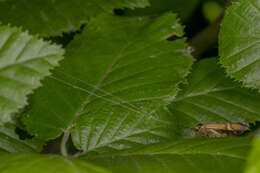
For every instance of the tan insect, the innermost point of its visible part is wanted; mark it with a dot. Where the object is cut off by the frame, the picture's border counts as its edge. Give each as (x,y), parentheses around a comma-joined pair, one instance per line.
(221,130)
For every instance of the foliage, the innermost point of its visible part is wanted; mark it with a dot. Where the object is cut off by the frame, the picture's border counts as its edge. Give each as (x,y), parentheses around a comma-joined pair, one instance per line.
(210,97)
(24,61)
(183,8)
(253,164)
(53,17)
(127,96)
(239,42)
(30,163)
(198,155)
(126,82)
(10,142)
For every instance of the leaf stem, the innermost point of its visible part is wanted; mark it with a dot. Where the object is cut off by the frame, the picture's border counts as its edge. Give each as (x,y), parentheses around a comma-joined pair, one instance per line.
(64,140)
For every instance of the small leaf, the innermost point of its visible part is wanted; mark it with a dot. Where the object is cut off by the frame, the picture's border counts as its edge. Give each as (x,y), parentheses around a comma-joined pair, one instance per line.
(10,142)
(24,61)
(116,76)
(53,17)
(239,42)
(253,162)
(217,155)
(210,97)
(32,163)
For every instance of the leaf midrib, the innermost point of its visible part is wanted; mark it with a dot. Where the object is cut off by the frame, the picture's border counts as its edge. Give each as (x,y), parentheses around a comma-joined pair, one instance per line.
(109,70)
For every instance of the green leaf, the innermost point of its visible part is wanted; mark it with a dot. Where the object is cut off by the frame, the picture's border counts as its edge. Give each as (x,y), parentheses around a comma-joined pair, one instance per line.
(10,141)
(110,86)
(210,97)
(53,17)
(24,61)
(253,162)
(217,155)
(239,42)
(183,8)
(31,163)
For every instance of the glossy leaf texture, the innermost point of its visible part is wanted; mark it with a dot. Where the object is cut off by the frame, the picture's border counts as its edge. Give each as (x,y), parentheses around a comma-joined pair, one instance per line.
(211,97)
(53,17)
(111,86)
(253,162)
(31,163)
(11,143)
(217,155)
(24,61)
(239,42)
(183,8)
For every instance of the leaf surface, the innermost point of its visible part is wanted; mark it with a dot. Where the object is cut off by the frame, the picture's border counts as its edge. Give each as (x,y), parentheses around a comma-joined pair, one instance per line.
(239,42)
(53,17)
(111,86)
(24,61)
(182,8)
(11,143)
(31,163)
(182,156)
(211,97)
(253,162)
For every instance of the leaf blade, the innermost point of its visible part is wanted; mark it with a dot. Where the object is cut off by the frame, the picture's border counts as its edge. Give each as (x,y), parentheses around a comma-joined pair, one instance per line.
(44,164)
(210,97)
(253,162)
(11,143)
(52,18)
(128,80)
(183,9)
(196,155)
(239,42)
(24,61)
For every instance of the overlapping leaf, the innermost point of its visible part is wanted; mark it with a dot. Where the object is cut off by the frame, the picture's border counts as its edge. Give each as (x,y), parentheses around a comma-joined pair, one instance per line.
(110,87)
(24,61)
(184,156)
(31,163)
(210,97)
(239,42)
(10,141)
(52,17)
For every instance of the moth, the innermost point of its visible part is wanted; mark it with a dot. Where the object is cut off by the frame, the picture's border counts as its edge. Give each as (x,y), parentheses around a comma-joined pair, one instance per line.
(221,130)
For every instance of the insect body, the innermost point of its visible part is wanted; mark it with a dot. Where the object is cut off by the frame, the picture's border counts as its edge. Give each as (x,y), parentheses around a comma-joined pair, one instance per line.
(221,130)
